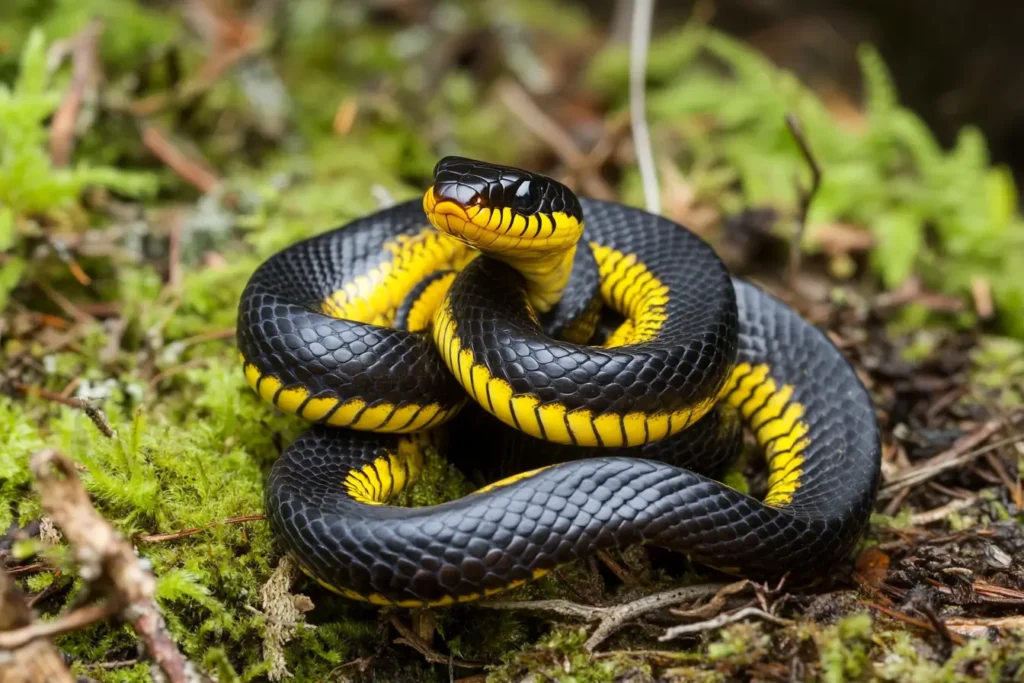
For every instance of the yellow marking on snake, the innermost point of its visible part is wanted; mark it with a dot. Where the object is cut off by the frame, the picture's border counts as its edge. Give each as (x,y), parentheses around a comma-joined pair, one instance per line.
(377,482)
(552,421)
(776,420)
(353,414)
(510,480)
(373,297)
(631,289)
(421,313)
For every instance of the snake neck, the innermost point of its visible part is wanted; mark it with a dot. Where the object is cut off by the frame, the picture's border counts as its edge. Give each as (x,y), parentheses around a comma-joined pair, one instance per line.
(546,275)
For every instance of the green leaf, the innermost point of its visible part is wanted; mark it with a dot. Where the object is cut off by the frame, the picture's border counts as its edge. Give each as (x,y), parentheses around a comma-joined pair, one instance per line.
(10,276)
(899,239)
(32,77)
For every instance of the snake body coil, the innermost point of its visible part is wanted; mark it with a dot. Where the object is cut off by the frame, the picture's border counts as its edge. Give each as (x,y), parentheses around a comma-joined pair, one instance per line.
(381,331)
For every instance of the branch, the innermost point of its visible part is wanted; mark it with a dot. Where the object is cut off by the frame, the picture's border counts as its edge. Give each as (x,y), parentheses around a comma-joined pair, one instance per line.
(38,661)
(612,618)
(962,452)
(108,563)
(640,38)
(80,618)
(722,620)
(806,197)
(84,70)
(430,654)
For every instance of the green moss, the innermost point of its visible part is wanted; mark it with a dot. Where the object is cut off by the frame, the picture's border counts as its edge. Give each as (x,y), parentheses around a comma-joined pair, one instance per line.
(739,645)
(978,659)
(560,657)
(19,438)
(845,649)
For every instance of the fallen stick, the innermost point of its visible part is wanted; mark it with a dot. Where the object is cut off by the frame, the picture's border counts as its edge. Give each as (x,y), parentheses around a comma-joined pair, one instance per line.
(108,563)
(610,619)
(36,662)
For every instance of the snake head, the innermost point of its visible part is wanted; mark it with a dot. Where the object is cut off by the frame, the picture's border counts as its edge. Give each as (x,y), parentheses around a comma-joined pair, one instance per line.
(501,209)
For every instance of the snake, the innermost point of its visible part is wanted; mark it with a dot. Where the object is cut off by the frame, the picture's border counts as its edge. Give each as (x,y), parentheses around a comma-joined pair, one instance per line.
(605,351)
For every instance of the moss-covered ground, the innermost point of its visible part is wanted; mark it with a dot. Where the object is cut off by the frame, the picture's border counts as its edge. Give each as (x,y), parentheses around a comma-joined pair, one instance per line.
(206,138)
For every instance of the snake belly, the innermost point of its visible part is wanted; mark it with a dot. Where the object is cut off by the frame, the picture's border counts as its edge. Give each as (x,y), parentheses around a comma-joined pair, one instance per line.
(717,347)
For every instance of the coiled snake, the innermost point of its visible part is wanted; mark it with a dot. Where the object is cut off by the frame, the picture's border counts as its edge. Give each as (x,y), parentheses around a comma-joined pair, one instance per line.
(607,348)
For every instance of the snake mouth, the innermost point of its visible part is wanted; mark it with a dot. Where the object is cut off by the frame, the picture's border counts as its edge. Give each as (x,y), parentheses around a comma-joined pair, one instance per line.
(499,229)
(455,220)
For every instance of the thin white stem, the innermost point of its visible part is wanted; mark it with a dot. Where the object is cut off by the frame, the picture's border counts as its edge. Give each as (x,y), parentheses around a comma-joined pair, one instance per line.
(640,39)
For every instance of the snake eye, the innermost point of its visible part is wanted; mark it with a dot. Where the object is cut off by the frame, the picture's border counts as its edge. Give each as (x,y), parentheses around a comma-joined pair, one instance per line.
(527,199)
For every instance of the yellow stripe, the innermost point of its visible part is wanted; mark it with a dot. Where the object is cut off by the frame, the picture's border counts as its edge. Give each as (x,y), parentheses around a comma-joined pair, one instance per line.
(353,414)
(510,480)
(421,313)
(776,420)
(551,421)
(631,289)
(378,482)
(372,298)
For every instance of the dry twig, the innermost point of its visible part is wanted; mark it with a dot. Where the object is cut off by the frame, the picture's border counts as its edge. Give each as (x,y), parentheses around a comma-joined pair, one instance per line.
(582,166)
(430,654)
(108,563)
(958,455)
(806,197)
(91,411)
(72,621)
(715,604)
(196,173)
(723,620)
(160,538)
(900,616)
(36,661)
(85,67)
(611,618)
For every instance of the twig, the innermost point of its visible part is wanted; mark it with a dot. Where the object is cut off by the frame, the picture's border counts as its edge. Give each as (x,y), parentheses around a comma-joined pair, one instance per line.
(715,605)
(65,255)
(80,618)
(110,666)
(202,337)
(639,43)
(160,538)
(722,620)
(192,171)
(1012,487)
(561,607)
(48,395)
(611,618)
(108,562)
(942,512)
(519,102)
(37,661)
(430,654)
(899,616)
(616,568)
(958,455)
(84,69)
(540,124)
(806,197)
(91,411)
(65,304)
